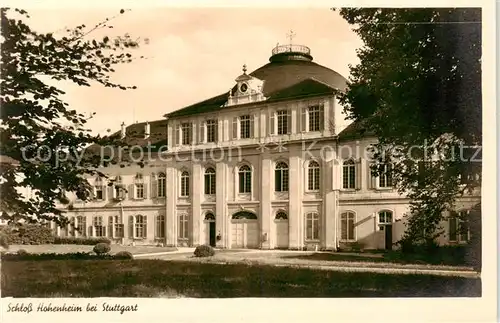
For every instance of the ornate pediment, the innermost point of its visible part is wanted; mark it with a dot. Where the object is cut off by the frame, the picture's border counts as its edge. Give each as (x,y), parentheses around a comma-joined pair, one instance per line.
(248,89)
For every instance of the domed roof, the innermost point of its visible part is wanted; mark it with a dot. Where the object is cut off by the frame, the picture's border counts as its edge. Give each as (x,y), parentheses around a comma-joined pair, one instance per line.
(291,64)
(290,72)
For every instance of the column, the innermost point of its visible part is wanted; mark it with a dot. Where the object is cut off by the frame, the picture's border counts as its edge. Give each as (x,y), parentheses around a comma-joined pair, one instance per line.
(295,202)
(220,204)
(197,183)
(265,200)
(171,201)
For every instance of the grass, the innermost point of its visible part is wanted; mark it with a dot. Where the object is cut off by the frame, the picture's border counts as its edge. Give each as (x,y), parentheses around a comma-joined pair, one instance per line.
(69,248)
(395,257)
(157,278)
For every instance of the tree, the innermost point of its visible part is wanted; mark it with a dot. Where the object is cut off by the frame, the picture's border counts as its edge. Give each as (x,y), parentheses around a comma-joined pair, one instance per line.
(417,88)
(42,136)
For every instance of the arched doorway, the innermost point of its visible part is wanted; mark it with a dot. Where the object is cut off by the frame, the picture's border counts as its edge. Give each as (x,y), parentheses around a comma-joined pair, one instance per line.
(281,221)
(245,230)
(210,235)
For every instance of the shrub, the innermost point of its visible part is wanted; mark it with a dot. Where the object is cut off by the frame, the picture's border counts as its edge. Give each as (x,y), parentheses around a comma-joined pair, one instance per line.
(124,255)
(102,248)
(28,234)
(204,251)
(81,240)
(22,252)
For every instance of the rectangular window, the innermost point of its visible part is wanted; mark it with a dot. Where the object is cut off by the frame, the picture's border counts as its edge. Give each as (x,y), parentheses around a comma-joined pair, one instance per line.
(315,114)
(347,226)
(349,175)
(81,226)
(458,228)
(162,183)
(99,192)
(160,226)
(139,191)
(312,226)
(245,128)
(183,226)
(186,132)
(385,178)
(212,131)
(99,229)
(116,227)
(282,122)
(313,179)
(140,227)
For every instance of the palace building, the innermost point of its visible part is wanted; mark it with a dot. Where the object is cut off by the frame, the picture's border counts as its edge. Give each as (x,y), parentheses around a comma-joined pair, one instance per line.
(272,163)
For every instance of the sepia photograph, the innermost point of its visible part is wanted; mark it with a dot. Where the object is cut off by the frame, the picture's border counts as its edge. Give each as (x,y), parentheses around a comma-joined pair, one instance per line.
(240,152)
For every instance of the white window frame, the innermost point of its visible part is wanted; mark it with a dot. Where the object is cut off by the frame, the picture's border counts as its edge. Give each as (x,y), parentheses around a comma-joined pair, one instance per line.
(183,225)
(81,226)
(140,226)
(315,188)
(118,188)
(240,128)
(345,218)
(98,222)
(160,226)
(189,127)
(162,185)
(215,124)
(385,222)
(117,226)
(388,177)
(185,178)
(99,186)
(308,111)
(314,219)
(458,219)
(285,180)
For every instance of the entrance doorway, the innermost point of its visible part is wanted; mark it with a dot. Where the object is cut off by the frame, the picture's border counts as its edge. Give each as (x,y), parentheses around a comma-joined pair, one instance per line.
(388,237)
(212,233)
(385,219)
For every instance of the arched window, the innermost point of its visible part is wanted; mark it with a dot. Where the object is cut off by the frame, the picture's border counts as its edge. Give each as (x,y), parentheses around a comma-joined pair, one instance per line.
(139,186)
(140,227)
(162,184)
(210,181)
(313,176)
(241,215)
(458,230)
(245,179)
(99,228)
(349,174)
(312,226)
(209,217)
(281,177)
(347,220)
(185,184)
(281,215)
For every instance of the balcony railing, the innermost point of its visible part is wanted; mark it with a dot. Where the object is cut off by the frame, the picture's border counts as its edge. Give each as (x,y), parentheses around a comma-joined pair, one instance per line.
(291,49)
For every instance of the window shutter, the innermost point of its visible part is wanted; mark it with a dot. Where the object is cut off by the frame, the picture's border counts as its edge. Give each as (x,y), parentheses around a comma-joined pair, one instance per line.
(253,126)
(272,118)
(145,191)
(321,118)
(131,191)
(202,131)
(193,133)
(145,218)
(235,128)
(104,191)
(154,187)
(131,226)
(177,135)
(91,230)
(303,122)
(289,121)
(357,173)
(216,131)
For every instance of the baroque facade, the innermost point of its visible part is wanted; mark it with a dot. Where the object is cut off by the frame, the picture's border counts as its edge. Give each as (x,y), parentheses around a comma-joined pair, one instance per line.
(270,164)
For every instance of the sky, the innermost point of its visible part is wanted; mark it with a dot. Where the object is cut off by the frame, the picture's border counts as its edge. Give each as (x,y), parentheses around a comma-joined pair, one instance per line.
(193,53)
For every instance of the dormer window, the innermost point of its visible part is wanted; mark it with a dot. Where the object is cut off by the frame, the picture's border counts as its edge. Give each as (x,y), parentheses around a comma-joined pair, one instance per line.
(243,88)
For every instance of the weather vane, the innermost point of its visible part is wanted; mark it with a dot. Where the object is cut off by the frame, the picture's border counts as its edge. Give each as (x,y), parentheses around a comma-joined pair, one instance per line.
(290,35)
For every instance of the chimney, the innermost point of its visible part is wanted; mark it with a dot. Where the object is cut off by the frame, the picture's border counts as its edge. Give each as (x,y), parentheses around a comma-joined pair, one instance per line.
(123,133)
(147,130)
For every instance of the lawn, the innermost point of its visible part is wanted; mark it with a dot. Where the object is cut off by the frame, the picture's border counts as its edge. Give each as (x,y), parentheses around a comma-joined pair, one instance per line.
(158,278)
(56,248)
